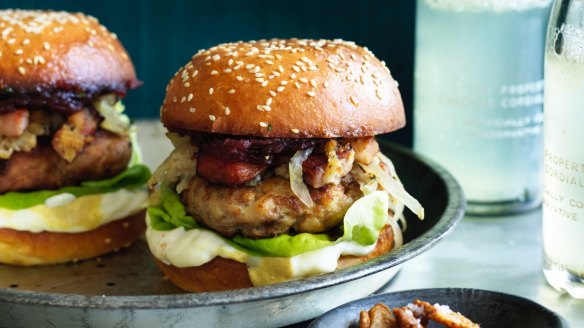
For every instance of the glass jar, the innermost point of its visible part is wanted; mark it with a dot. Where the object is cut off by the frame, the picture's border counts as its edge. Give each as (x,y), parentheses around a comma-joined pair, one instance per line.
(478,97)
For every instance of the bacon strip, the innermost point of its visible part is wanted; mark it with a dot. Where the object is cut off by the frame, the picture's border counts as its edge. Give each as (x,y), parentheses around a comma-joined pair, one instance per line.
(216,170)
(13,124)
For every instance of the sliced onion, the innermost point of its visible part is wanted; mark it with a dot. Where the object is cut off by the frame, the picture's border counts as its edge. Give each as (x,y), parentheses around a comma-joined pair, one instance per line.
(393,187)
(398,239)
(296,182)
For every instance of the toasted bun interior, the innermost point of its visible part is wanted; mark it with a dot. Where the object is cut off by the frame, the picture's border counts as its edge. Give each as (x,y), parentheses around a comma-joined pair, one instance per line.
(225,274)
(284,88)
(27,248)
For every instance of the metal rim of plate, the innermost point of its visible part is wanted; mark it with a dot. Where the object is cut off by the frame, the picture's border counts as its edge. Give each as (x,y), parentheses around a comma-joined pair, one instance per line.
(453,212)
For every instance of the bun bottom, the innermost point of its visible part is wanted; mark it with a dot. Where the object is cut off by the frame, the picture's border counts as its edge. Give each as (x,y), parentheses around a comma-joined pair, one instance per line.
(226,274)
(28,248)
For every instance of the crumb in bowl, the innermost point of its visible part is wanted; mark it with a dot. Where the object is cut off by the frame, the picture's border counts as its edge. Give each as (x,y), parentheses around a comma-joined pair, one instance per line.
(414,315)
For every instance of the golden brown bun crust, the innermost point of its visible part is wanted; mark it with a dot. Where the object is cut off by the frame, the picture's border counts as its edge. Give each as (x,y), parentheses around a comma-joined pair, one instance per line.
(314,89)
(59,50)
(226,274)
(27,248)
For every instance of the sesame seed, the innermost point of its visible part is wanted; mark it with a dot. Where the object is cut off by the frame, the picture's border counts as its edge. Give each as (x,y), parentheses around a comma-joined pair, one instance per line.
(18,52)
(259,74)
(296,131)
(227,111)
(230,61)
(273,93)
(295,68)
(214,72)
(269,101)
(187,84)
(46,46)
(174,99)
(339,70)
(11,41)
(313,83)
(263,124)
(312,68)
(21,70)
(297,85)
(305,59)
(195,73)
(25,42)
(239,78)
(212,118)
(281,68)
(190,97)
(264,83)
(396,84)
(249,66)
(276,73)
(269,62)
(293,76)
(216,57)
(303,80)
(377,94)
(183,99)
(227,70)
(260,79)
(326,84)
(256,69)
(267,108)
(354,101)
(311,93)
(210,91)
(280,88)
(284,82)
(260,108)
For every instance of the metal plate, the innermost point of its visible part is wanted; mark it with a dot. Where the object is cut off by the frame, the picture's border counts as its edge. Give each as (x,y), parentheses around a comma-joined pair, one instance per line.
(487,308)
(127,290)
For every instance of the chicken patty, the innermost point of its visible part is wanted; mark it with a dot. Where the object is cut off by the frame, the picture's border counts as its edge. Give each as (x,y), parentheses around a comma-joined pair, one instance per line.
(268,209)
(43,168)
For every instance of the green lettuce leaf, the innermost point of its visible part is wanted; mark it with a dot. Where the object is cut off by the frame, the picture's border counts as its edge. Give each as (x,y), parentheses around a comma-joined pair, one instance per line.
(132,177)
(362,224)
(170,213)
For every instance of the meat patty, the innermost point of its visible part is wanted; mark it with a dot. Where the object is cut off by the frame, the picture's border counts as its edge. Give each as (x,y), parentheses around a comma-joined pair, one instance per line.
(43,168)
(268,209)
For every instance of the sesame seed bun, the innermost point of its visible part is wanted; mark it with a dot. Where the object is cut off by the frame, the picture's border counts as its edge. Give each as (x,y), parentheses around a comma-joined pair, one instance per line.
(28,248)
(284,88)
(45,50)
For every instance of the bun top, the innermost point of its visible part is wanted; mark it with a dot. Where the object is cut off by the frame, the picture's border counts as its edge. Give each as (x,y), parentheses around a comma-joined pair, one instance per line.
(45,50)
(284,88)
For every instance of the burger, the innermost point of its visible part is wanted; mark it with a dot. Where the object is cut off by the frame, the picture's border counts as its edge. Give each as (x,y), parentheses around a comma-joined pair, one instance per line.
(71,183)
(276,173)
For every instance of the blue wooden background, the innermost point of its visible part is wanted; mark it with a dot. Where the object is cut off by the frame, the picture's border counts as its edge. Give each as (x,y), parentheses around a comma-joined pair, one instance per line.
(161,35)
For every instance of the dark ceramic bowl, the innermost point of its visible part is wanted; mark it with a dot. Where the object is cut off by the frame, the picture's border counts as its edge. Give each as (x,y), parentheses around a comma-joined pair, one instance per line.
(127,289)
(487,308)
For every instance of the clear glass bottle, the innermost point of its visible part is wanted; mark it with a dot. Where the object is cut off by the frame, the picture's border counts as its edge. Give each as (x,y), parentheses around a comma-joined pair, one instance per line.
(563,201)
(478,97)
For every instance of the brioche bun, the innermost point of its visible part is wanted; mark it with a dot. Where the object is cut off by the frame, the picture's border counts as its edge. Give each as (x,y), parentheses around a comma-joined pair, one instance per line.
(225,274)
(46,50)
(28,248)
(284,88)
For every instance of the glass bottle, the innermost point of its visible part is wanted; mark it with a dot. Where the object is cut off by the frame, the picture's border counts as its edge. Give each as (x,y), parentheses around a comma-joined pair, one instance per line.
(478,97)
(563,201)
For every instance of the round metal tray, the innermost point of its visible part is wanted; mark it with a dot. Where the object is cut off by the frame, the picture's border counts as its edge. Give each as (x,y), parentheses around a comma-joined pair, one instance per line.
(126,289)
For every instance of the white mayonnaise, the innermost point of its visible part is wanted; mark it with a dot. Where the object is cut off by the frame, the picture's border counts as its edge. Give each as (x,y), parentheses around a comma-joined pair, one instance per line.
(182,248)
(66,213)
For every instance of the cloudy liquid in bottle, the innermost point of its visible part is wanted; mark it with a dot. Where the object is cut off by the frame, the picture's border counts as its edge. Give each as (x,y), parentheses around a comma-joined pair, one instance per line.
(478,97)
(563,202)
